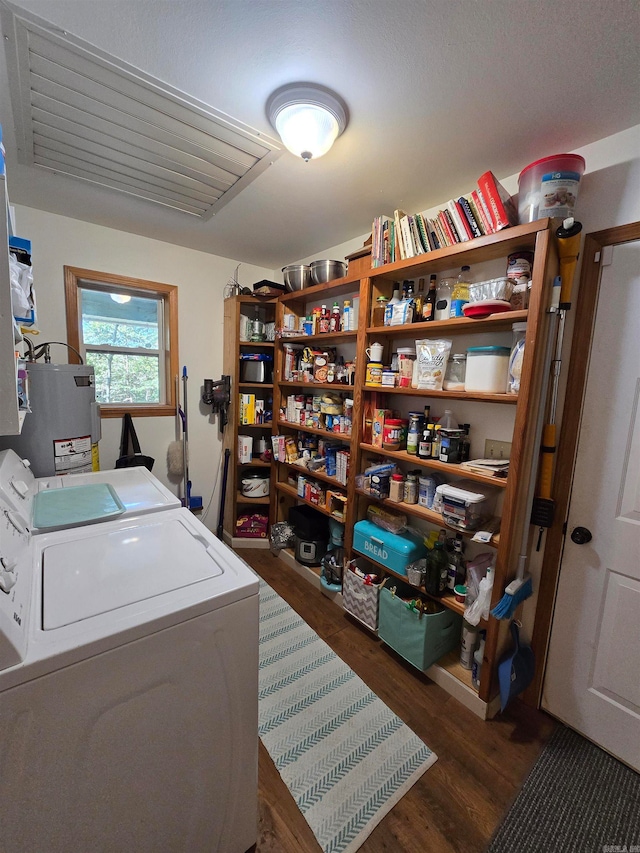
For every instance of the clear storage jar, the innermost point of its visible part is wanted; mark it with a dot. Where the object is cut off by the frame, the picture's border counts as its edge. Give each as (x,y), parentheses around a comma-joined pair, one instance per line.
(455,373)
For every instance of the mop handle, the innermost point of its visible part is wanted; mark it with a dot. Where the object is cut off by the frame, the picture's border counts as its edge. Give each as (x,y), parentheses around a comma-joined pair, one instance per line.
(538,436)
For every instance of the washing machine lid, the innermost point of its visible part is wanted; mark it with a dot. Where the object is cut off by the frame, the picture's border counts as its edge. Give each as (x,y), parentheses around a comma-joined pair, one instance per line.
(103,570)
(137,488)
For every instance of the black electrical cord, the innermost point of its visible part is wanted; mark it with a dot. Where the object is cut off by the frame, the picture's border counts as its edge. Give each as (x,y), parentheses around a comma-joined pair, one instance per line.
(36,352)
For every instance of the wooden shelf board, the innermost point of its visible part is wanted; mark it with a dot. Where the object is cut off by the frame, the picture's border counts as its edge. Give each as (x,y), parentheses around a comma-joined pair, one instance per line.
(255,463)
(268,344)
(255,385)
(436,465)
(490,247)
(241,499)
(451,662)
(315,474)
(332,386)
(265,425)
(337,337)
(337,286)
(425,514)
(451,395)
(494,322)
(293,493)
(323,432)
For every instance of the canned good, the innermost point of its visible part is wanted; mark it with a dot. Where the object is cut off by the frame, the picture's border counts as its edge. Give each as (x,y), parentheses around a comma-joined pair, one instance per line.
(374,373)
(519,266)
(380,485)
(427,491)
(389,378)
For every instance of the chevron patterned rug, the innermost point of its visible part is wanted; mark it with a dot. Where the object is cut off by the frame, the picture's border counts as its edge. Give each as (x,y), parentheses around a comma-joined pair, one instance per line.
(344,755)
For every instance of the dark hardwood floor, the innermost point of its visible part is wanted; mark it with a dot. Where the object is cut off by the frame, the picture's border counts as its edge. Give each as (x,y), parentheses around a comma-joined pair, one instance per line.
(460,801)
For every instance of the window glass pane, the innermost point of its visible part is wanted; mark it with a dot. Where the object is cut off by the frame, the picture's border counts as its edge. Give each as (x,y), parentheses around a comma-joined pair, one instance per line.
(134,323)
(125,378)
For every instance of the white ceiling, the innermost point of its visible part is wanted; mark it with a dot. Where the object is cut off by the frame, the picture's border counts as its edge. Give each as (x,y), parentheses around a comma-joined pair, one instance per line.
(438,91)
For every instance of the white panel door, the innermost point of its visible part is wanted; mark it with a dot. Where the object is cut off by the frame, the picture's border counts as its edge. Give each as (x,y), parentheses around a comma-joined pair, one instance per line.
(592,680)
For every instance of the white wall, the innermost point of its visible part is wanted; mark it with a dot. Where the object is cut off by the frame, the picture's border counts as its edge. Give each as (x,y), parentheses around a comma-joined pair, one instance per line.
(200,277)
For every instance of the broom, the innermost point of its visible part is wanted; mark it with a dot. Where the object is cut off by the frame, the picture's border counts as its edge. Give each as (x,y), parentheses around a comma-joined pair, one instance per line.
(521,587)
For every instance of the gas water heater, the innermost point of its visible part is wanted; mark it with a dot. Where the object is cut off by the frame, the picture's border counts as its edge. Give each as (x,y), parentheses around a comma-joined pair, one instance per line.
(60,434)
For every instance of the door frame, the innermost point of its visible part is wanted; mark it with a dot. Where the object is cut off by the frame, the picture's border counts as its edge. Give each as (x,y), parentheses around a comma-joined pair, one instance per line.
(585,320)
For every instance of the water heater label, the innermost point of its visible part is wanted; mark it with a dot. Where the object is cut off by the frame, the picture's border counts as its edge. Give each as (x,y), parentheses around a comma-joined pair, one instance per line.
(73,454)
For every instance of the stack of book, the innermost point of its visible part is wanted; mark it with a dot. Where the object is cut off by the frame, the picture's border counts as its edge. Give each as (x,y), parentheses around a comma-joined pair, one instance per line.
(486,210)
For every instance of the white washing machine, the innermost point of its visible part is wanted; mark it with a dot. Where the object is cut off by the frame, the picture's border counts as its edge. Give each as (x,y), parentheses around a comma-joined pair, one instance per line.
(128,688)
(137,489)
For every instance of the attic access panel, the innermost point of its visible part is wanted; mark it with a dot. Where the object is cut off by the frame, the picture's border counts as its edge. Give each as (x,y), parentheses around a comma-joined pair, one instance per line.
(81,112)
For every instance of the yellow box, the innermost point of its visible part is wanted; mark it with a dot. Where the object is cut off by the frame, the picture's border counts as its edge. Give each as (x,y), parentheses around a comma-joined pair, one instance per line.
(247,408)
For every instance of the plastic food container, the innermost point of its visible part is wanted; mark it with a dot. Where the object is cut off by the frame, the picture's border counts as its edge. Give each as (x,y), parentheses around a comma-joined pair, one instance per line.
(487,369)
(516,357)
(463,506)
(549,187)
(494,288)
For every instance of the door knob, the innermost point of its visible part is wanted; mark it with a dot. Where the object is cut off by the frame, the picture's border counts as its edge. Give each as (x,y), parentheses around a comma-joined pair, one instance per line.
(580,535)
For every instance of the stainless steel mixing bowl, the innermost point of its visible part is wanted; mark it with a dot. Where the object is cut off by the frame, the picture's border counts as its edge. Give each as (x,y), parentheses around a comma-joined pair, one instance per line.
(296,276)
(324,271)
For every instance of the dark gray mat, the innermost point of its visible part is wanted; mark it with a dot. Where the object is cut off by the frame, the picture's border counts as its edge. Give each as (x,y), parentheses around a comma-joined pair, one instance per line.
(576,798)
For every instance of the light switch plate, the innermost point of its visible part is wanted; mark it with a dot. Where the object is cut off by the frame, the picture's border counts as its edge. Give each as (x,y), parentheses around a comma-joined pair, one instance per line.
(494,449)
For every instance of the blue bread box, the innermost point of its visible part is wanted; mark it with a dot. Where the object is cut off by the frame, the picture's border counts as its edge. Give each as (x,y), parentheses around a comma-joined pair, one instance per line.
(393,550)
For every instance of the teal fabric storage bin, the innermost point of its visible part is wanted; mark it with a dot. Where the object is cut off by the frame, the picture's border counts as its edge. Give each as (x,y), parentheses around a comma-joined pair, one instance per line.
(393,550)
(420,640)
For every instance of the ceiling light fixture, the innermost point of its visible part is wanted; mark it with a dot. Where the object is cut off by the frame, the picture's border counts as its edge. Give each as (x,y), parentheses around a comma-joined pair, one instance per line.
(308,118)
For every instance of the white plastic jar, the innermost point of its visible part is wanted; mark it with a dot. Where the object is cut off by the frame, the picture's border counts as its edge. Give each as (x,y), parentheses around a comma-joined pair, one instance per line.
(487,369)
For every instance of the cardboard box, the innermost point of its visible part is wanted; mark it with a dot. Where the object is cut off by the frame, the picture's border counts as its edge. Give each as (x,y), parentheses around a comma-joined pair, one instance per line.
(378,425)
(247,408)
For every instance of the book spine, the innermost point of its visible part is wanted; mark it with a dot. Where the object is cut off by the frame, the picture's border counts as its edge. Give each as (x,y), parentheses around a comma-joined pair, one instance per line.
(453,233)
(397,216)
(468,233)
(474,205)
(484,211)
(455,222)
(498,201)
(415,234)
(433,234)
(424,234)
(446,229)
(406,236)
(468,214)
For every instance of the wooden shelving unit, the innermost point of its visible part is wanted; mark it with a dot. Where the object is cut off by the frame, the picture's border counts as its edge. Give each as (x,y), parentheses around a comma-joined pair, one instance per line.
(522,409)
(237,504)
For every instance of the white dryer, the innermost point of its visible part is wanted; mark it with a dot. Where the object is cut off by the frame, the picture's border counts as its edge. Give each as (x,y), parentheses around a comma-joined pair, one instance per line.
(137,489)
(128,688)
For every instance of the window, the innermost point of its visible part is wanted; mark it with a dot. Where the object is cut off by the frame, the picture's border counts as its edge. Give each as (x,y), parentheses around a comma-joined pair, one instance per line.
(127,329)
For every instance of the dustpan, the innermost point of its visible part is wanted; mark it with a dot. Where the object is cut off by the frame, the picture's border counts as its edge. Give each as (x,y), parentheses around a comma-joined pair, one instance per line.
(516,669)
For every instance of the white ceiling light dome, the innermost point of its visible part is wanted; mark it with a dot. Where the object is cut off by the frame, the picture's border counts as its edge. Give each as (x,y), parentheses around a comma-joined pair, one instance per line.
(308,118)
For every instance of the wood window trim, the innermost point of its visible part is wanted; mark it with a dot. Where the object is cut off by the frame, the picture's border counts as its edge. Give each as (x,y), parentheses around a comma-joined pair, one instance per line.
(73,278)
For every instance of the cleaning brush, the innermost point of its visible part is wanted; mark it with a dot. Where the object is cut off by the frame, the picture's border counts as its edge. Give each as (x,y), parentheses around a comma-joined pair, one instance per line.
(514,593)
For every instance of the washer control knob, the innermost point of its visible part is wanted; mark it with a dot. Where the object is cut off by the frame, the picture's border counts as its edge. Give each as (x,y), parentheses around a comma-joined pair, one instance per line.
(7,575)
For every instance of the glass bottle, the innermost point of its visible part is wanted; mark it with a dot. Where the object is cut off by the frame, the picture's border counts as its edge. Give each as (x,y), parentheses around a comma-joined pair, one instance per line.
(435,581)
(414,432)
(460,293)
(443,299)
(429,303)
(419,302)
(325,319)
(435,442)
(411,299)
(424,445)
(457,569)
(334,323)
(379,311)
